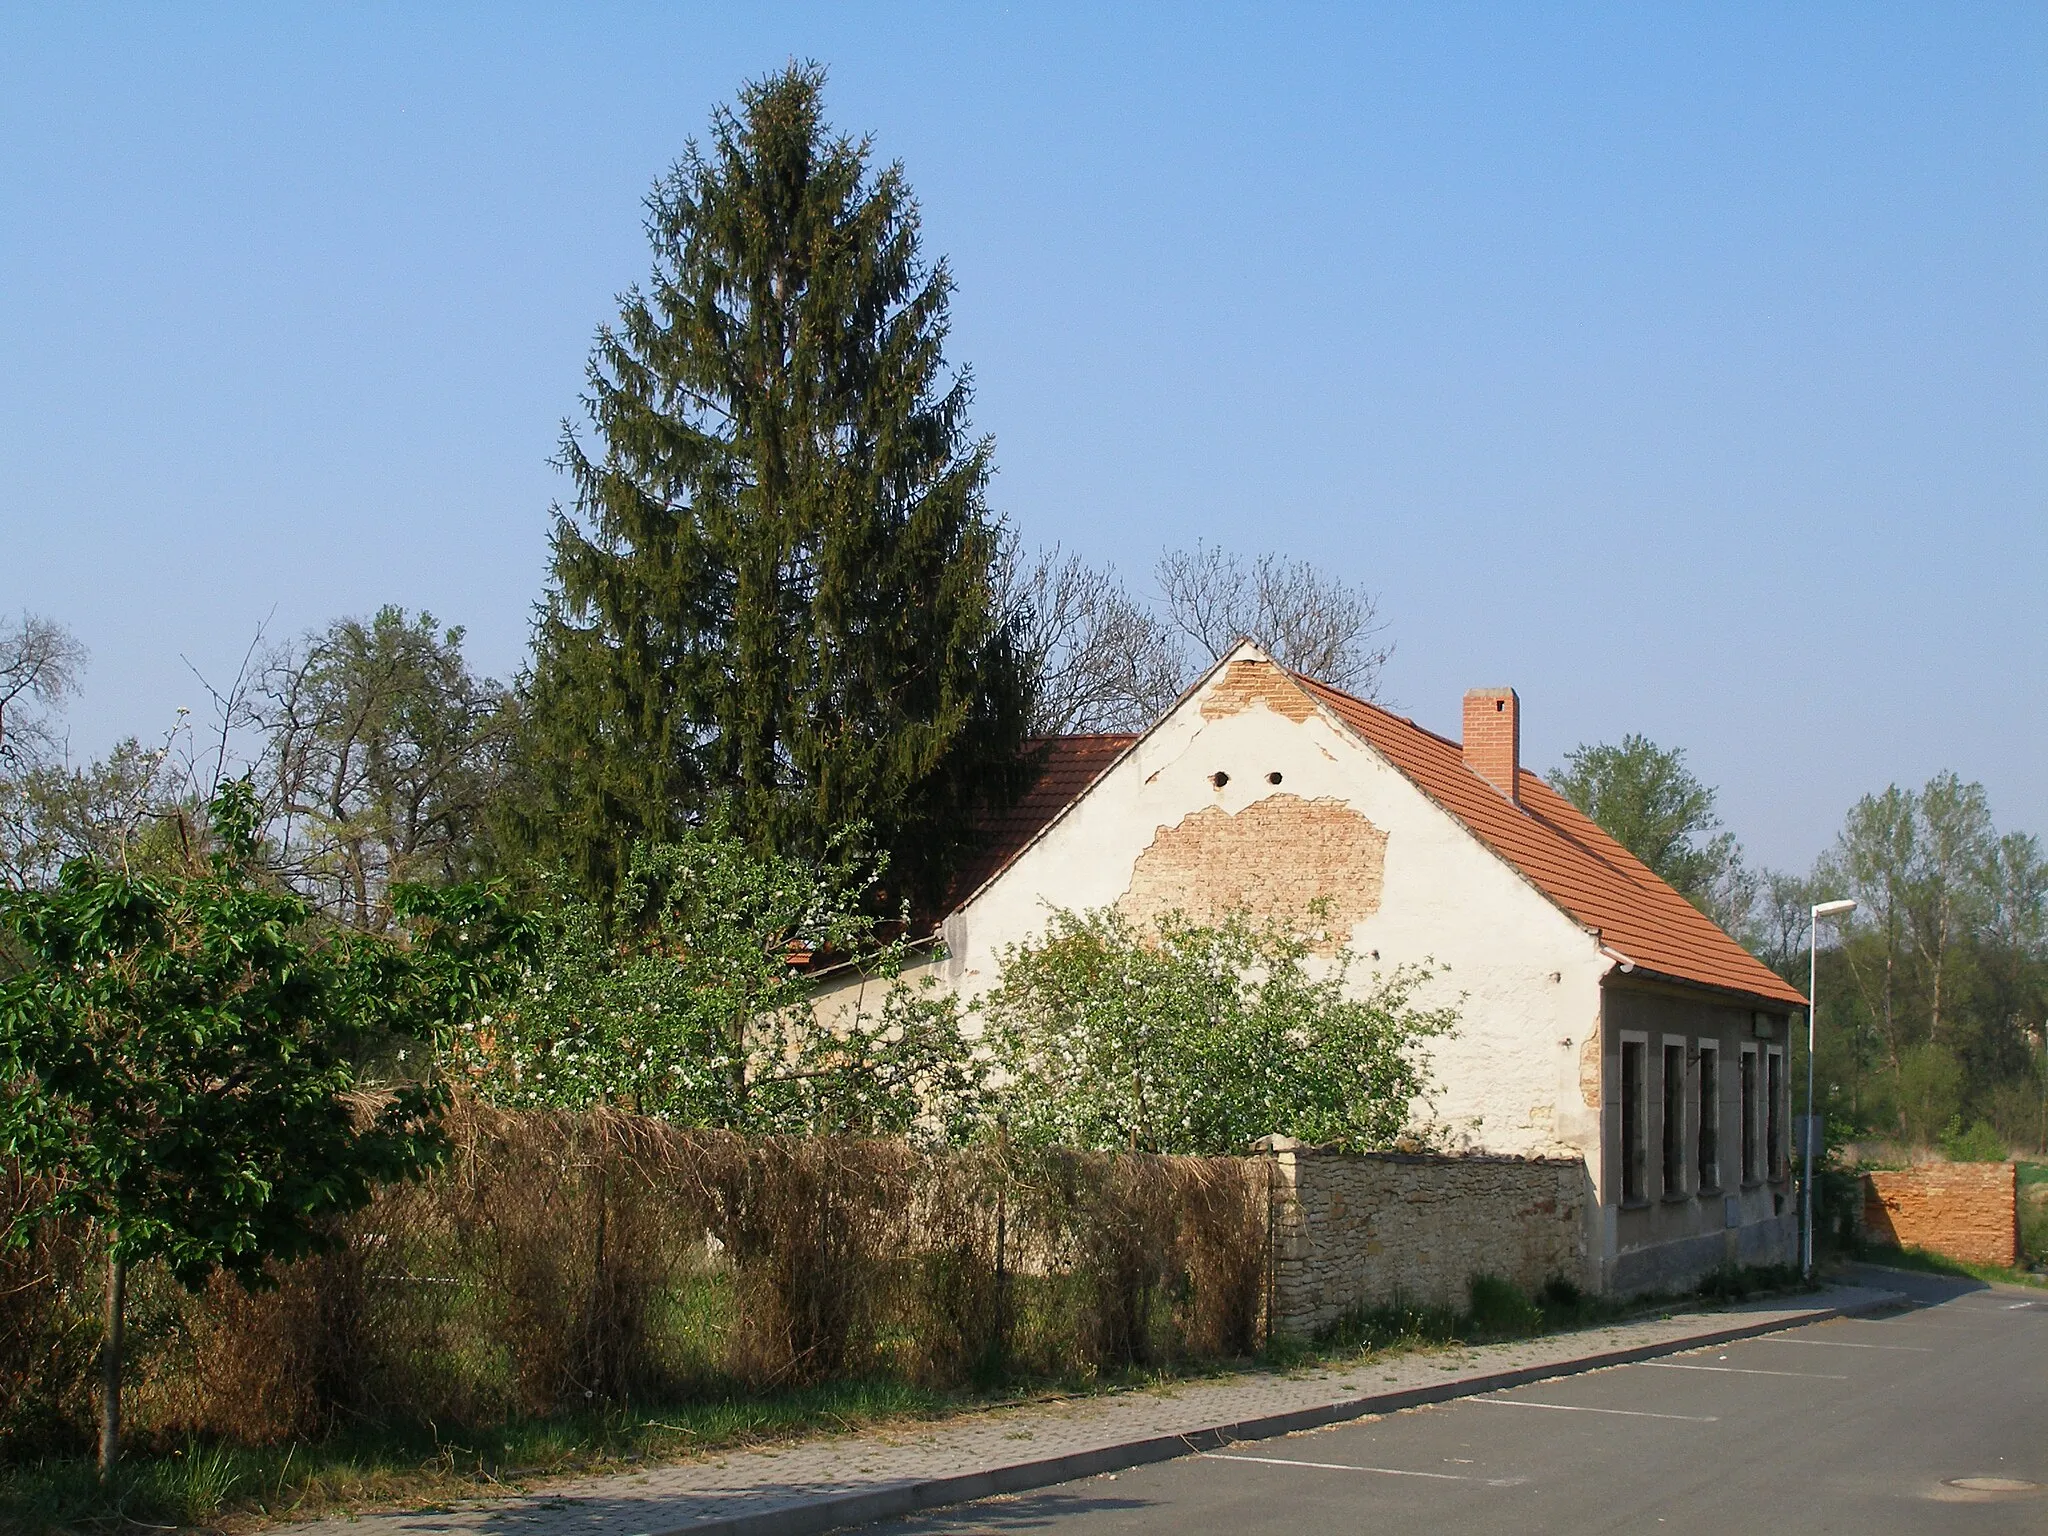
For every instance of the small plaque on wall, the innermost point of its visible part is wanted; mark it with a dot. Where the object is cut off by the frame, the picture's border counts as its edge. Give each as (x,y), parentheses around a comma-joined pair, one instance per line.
(1764,1026)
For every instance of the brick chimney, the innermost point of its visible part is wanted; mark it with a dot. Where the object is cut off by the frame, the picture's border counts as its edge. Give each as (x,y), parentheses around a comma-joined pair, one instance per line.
(1493,738)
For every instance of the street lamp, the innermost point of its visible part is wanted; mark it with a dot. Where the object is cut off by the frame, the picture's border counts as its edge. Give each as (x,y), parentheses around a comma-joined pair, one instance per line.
(1824,909)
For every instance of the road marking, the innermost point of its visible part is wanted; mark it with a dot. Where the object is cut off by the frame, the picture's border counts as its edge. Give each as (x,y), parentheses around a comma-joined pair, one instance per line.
(1626,1413)
(1917,1349)
(1342,1466)
(1736,1370)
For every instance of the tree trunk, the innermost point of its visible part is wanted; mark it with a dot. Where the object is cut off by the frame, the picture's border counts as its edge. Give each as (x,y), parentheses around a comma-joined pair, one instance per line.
(110,1366)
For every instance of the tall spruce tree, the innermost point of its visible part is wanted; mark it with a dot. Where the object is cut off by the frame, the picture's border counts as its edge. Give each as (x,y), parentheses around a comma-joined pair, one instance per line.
(772,600)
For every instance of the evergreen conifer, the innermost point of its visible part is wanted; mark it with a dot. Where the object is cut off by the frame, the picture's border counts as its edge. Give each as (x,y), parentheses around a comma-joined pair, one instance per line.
(772,600)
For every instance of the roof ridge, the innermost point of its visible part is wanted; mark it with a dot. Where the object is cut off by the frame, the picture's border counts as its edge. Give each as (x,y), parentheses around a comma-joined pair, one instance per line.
(1574,863)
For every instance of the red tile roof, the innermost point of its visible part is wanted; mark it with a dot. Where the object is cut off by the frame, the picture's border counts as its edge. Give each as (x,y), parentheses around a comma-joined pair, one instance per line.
(1565,855)
(1070,765)
(1553,845)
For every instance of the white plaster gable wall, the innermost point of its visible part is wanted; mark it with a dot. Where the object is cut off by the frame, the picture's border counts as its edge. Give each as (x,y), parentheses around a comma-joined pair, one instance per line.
(1509,1080)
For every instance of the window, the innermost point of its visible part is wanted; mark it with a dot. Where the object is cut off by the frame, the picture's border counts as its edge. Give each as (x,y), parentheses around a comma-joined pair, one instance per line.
(1635,1150)
(1674,1120)
(1774,1111)
(1710,1116)
(1750,1160)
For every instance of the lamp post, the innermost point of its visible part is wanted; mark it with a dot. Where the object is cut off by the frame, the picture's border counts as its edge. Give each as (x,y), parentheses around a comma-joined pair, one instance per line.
(1824,909)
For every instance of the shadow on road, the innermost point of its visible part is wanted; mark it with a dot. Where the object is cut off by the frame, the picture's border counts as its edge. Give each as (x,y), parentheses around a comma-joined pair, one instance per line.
(1921,1289)
(1024,1512)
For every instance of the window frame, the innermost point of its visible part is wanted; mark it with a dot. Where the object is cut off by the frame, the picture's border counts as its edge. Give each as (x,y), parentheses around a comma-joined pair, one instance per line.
(1673,1163)
(1777,1164)
(1632,1125)
(1707,1124)
(1751,1122)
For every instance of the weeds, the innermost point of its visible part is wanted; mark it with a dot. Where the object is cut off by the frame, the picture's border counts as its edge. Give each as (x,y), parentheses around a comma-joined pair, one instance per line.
(1497,1309)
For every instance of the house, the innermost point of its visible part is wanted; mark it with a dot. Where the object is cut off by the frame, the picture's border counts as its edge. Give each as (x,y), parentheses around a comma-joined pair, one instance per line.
(1603,1017)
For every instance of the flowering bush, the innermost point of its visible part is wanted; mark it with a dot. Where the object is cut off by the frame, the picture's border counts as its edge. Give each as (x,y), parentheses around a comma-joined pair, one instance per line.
(690,999)
(1181,1037)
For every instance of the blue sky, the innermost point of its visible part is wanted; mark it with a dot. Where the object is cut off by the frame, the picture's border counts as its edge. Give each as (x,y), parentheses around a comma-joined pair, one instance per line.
(1684,367)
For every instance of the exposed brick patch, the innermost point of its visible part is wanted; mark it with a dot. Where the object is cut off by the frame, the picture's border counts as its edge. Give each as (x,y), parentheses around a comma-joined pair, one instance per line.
(1275,858)
(1967,1211)
(1589,1070)
(1245,683)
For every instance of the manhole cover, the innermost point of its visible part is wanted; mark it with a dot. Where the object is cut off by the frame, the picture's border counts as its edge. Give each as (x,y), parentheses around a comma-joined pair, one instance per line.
(1993,1485)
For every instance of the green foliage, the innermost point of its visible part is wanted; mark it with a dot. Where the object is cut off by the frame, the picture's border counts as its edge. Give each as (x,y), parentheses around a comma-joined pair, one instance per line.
(1646,799)
(179,1054)
(121,810)
(1191,1038)
(774,593)
(1979,1144)
(688,996)
(383,755)
(1933,998)
(1499,1307)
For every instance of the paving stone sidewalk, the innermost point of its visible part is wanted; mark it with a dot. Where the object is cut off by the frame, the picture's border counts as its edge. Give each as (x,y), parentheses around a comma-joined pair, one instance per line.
(816,1485)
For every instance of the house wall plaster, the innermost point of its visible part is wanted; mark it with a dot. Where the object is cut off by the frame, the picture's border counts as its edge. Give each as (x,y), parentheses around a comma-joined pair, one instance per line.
(1524,978)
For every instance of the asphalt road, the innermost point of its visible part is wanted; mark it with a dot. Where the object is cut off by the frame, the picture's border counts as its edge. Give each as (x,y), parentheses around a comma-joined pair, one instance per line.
(1862,1426)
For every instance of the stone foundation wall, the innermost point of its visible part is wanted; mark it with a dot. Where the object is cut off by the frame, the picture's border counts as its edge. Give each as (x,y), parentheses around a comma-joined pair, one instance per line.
(1967,1211)
(1351,1231)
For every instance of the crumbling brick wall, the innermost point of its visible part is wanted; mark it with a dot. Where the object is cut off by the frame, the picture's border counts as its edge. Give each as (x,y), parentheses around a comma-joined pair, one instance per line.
(1353,1231)
(1966,1211)
(1313,866)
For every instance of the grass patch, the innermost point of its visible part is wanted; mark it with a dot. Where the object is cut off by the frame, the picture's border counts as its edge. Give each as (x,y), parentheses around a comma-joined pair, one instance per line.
(199,1485)
(1497,1311)
(1920,1261)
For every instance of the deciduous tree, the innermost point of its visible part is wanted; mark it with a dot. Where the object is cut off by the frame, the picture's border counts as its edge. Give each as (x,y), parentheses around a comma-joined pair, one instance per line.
(383,755)
(1647,799)
(178,1056)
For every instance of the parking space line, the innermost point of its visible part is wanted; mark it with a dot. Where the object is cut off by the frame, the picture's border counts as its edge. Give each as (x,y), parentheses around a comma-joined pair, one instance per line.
(1343,1466)
(1626,1413)
(1737,1370)
(1769,1338)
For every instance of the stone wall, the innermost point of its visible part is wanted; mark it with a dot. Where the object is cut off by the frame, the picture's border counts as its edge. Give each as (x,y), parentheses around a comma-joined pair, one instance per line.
(1967,1211)
(1351,1231)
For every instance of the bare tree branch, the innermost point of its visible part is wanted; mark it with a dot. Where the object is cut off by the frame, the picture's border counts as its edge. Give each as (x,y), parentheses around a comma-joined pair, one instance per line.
(40,664)
(1099,659)
(1309,620)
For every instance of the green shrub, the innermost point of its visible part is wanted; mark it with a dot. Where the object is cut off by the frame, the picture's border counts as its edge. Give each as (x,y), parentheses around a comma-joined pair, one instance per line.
(1500,1307)
(1979,1144)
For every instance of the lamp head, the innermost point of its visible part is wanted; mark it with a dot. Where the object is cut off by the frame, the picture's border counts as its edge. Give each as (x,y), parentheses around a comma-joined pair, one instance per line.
(1834,908)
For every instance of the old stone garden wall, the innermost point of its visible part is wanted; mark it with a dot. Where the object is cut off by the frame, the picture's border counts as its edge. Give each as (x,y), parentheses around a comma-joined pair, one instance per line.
(1967,1211)
(1352,1231)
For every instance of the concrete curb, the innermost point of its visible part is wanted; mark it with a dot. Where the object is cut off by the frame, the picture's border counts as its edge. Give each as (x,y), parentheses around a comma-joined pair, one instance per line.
(836,1510)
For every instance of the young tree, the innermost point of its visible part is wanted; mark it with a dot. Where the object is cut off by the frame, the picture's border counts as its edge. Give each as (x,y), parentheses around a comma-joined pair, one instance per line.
(382,757)
(177,1056)
(1948,896)
(1646,799)
(1872,860)
(1189,1038)
(689,996)
(774,593)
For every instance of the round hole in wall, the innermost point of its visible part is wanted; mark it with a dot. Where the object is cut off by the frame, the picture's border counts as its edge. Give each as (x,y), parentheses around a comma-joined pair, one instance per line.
(1219,778)
(1272,778)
